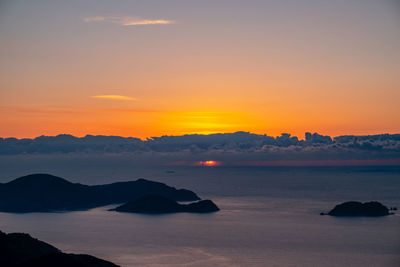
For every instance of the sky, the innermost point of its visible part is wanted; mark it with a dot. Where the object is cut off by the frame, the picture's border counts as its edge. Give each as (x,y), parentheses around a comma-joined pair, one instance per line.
(152,68)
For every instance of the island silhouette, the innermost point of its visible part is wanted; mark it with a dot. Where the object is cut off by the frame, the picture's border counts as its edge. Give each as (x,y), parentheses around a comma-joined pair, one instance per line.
(46,193)
(154,204)
(356,208)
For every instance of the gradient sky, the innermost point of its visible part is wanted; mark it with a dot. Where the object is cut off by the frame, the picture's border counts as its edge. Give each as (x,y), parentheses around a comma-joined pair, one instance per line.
(149,68)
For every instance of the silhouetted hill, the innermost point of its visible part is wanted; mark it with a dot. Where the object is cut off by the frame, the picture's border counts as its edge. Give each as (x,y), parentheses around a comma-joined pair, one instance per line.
(44,192)
(21,250)
(355,208)
(157,204)
(18,247)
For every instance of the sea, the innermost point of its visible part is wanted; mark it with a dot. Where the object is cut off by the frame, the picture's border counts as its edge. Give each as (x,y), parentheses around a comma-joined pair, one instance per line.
(270,216)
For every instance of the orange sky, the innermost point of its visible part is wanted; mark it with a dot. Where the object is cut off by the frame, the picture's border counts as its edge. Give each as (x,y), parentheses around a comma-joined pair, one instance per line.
(151,69)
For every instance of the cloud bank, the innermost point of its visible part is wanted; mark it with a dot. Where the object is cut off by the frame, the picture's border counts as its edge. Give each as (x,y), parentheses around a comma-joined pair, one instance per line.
(128,21)
(244,147)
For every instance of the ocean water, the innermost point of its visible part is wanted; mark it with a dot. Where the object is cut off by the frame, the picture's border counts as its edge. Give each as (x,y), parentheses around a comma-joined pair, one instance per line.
(269,217)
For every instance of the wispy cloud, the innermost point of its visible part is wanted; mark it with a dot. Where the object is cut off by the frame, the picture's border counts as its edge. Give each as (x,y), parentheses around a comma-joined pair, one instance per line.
(128,21)
(115,97)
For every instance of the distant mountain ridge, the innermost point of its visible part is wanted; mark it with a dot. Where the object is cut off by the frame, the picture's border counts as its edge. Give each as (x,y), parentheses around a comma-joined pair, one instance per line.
(226,142)
(44,192)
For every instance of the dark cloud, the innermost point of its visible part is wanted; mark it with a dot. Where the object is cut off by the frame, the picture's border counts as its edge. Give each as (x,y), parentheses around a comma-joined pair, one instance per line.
(229,146)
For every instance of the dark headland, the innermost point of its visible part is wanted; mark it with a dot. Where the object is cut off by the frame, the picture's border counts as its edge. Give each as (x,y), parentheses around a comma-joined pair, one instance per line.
(154,204)
(355,208)
(46,193)
(22,250)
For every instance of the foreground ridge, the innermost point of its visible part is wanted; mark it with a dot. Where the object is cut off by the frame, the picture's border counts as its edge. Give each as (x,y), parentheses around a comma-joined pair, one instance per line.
(22,250)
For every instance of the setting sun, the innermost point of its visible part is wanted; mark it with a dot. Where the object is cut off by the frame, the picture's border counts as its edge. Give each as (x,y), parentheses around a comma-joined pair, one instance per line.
(210,163)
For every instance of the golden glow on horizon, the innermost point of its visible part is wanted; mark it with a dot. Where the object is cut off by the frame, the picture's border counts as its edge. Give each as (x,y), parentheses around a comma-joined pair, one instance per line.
(202,122)
(30,122)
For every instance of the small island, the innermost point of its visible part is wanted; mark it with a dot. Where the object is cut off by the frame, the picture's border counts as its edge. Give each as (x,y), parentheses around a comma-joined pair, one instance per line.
(22,250)
(154,204)
(355,208)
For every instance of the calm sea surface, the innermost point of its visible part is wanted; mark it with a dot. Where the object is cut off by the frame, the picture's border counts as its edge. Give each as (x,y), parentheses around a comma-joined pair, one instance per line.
(269,217)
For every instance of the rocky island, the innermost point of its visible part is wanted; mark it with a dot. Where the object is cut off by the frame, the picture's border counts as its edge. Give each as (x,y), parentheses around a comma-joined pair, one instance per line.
(154,204)
(22,250)
(46,193)
(355,208)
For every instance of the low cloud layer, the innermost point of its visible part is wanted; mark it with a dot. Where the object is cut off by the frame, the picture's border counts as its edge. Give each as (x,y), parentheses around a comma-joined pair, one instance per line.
(240,147)
(127,21)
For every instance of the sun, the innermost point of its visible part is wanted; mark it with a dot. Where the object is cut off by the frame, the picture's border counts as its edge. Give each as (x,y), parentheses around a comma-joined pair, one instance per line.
(210,163)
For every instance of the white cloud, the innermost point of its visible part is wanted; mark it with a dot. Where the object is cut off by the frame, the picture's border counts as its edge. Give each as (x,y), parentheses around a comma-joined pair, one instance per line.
(128,21)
